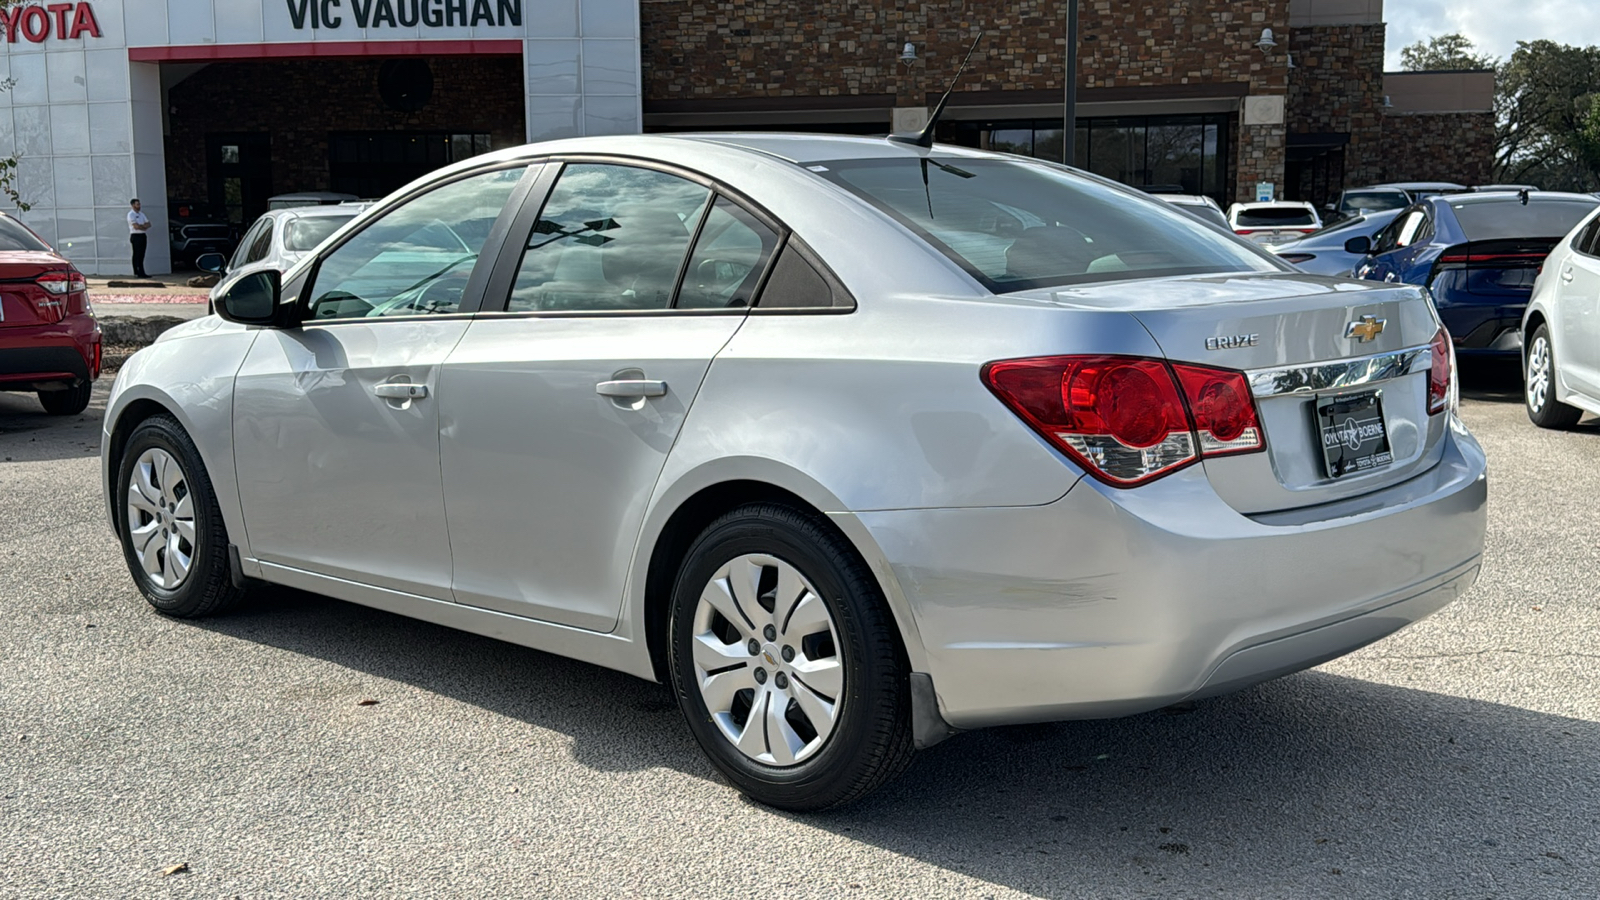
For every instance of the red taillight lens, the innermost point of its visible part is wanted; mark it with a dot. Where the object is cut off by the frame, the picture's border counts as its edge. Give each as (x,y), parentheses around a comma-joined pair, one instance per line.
(1124,418)
(62,282)
(1440,373)
(1224,413)
(1244,231)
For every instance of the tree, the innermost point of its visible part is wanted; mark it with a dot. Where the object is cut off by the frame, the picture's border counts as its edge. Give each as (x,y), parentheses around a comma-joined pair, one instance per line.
(1547,116)
(8,164)
(1447,51)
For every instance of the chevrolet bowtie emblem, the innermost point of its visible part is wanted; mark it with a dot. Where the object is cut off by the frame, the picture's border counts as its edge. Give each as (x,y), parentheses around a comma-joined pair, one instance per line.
(1365,329)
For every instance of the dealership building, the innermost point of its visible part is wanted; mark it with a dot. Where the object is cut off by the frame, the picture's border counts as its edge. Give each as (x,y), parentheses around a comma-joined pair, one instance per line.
(209,107)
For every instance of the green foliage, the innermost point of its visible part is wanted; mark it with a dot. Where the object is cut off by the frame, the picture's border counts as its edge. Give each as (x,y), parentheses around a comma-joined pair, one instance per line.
(8,164)
(1547,116)
(1447,51)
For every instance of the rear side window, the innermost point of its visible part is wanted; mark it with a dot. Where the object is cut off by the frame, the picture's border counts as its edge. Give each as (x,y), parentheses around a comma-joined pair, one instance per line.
(14,236)
(1588,243)
(1509,218)
(1018,224)
(729,259)
(1272,217)
(306,232)
(262,245)
(610,238)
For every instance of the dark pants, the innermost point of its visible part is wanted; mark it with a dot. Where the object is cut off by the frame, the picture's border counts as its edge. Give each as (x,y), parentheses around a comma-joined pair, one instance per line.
(139,240)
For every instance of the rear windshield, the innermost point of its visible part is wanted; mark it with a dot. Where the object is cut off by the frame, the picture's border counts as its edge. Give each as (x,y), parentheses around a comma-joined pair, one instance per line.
(1015,225)
(306,232)
(1375,200)
(1488,220)
(1274,216)
(13,236)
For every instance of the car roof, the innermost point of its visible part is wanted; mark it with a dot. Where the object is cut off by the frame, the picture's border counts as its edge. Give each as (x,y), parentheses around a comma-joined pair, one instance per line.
(1424,185)
(311,195)
(300,212)
(1513,196)
(1275,204)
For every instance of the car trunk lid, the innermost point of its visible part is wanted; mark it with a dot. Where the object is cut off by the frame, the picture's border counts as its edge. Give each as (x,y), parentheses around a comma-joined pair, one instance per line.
(1315,351)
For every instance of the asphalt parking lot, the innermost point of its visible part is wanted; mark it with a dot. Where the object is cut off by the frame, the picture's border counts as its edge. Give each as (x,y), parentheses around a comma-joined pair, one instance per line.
(1460,758)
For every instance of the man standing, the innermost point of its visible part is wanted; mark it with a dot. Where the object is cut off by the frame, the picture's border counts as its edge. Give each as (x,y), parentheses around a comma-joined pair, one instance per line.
(138,224)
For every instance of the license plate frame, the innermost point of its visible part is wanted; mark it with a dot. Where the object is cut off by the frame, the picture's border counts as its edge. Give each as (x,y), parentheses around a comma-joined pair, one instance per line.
(1353,433)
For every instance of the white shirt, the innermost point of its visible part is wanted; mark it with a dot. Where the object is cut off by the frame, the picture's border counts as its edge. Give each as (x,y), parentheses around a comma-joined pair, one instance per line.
(136,217)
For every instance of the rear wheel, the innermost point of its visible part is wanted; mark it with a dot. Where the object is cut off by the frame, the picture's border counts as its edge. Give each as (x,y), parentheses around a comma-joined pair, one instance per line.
(69,402)
(1539,385)
(172,533)
(786,661)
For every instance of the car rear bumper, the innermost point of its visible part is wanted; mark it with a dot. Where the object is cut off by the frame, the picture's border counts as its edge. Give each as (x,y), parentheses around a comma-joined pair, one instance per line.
(1110,602)
(46,357)
(1489,328)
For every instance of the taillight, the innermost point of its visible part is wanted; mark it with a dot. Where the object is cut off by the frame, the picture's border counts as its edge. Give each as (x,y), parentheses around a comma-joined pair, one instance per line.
(1124,418)
(1223,412)
(1244,231)
(62,282)
(1441,372)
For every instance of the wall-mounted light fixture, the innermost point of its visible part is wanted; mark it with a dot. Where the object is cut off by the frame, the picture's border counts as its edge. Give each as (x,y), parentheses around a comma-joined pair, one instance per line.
(908,54)
(1266,43)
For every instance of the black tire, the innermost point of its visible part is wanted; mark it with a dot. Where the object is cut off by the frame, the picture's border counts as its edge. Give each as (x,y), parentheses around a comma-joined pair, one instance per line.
(1539,353)
(207,588)
(871,738)
(69,402)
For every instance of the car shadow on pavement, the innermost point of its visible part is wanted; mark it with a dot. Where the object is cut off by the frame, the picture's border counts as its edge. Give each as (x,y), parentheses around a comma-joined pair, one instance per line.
(28,433)
(1313,785)
(1492,380)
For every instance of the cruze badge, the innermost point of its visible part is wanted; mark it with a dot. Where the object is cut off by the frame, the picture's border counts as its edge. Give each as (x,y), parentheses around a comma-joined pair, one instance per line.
(1232,341)
(1365,329)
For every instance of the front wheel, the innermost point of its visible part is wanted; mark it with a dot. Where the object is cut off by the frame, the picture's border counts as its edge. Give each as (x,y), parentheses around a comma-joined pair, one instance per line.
(1539,385)
(786,661)
(172,532)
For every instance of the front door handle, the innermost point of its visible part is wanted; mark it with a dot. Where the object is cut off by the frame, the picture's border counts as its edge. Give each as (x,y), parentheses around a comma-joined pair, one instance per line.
(400,391)
(631,387)
(1566,275)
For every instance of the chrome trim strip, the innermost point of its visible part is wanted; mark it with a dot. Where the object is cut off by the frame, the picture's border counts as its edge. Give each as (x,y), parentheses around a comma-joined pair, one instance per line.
(1337,373)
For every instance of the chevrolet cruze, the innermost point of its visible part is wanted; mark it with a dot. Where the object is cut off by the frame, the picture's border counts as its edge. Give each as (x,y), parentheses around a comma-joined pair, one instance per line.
(855,443)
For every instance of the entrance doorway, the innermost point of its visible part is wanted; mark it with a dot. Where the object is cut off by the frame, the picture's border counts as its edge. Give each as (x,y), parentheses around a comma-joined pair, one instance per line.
(240,168)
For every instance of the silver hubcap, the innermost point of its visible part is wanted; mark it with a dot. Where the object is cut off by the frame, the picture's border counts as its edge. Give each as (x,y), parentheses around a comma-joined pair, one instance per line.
(1538,373)
(161,518)
(766,660)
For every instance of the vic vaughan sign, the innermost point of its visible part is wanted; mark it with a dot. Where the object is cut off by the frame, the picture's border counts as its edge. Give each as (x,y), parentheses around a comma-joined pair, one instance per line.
(404,13)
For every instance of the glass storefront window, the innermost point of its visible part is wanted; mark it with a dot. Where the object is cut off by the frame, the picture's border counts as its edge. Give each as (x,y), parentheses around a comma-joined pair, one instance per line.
(1188,151)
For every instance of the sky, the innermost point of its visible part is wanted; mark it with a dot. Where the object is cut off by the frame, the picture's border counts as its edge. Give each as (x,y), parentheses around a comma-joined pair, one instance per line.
(1494,25)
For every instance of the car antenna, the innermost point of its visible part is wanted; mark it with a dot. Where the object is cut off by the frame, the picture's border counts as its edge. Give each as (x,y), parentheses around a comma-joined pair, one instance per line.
(924,138)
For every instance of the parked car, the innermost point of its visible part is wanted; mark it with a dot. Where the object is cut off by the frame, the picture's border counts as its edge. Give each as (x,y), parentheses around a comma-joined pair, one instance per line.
(192,240)
(819,429)
(1361,201)
(1561,331)
(1273,222)
(1501,188)
(1421,190)
(1479,254)
(309,198)
(278,240)
(49,339)
(1323,252)
(1199,205)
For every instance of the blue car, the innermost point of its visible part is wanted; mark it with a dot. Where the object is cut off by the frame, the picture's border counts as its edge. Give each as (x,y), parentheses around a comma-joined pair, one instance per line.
(1479,253)
(1323,252)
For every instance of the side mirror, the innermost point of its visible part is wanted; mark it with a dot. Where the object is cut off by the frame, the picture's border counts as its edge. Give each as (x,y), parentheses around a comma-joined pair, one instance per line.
(215,263)
(1360,246)
(253,299)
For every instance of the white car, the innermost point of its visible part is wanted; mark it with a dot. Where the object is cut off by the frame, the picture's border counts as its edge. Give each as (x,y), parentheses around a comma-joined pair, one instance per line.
(278,240)
(1273,222)
(1199,205)
(1561,331)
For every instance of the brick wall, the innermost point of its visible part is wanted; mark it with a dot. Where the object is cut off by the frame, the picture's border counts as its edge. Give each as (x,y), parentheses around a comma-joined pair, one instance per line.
(1455,147)
(299,102)
(1337,87)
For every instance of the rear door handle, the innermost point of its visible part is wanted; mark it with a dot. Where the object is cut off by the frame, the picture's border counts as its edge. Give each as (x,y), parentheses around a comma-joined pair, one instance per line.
(1566,275)
(631,387)
(400,391)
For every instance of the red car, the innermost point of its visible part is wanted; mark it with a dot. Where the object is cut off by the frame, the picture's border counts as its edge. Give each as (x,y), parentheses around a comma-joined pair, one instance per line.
(49,339)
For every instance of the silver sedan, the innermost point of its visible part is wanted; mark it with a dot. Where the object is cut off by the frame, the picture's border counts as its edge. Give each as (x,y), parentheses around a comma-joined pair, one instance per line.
(856,444)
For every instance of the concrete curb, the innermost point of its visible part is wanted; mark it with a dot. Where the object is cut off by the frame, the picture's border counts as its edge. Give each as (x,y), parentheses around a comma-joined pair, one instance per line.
(135,330)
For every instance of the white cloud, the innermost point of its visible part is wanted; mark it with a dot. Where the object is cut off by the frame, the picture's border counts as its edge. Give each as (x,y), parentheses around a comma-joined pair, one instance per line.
(1494,25)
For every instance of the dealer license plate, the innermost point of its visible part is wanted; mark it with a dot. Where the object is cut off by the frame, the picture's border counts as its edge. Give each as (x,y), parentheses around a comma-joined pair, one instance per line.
(1355,438)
